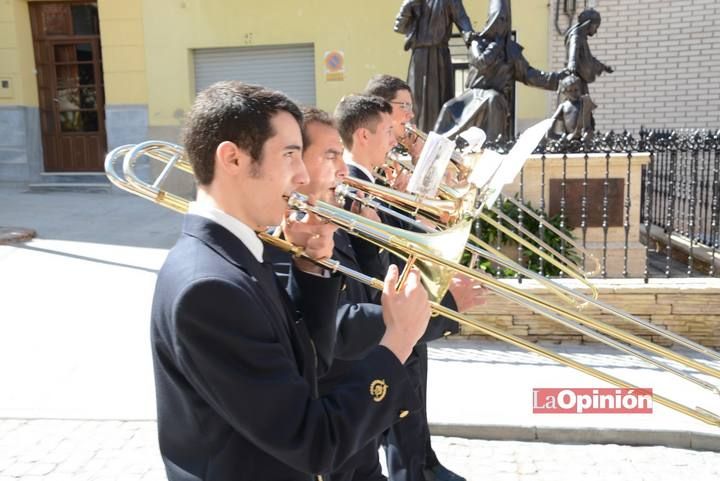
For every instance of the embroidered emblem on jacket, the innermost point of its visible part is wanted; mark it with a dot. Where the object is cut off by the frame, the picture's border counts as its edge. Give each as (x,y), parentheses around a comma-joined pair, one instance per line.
(378,390)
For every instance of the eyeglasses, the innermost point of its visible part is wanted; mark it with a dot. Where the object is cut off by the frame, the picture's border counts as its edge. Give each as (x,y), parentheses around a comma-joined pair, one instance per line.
(406,106)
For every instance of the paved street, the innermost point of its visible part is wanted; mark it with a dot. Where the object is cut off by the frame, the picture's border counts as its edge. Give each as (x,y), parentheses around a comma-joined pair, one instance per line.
(111,450)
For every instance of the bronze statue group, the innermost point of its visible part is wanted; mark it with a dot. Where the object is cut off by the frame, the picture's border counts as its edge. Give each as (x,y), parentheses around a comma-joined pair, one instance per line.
(269,367)
(495,62)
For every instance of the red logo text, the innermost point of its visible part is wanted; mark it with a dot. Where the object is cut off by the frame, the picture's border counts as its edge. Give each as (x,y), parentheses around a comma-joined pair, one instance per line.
(592,400)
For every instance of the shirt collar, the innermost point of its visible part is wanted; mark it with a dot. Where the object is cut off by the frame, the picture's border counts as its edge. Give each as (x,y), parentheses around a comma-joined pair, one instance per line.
(348,158)
(243,232)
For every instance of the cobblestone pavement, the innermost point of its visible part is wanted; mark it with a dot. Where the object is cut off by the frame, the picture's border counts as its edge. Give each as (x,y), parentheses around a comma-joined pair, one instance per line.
(62,450)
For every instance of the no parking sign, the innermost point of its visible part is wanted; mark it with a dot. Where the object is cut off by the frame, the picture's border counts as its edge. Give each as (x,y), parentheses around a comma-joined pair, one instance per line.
(334,65)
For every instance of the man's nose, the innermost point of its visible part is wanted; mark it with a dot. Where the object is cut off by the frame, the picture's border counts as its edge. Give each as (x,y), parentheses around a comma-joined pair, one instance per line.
(301,176)
(341,168)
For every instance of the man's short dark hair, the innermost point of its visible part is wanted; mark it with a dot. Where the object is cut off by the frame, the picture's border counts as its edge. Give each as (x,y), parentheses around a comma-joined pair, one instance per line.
(231,111)
(359,111)
(385,86)
(314,115)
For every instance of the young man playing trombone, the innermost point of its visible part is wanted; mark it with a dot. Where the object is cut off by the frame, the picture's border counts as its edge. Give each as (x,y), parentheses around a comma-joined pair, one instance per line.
(398,94)
(235,369)
(367,130)
(360,324)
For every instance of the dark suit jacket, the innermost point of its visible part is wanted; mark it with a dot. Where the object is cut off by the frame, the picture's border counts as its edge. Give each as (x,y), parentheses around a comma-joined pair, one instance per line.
(235,375)
(375,263)
(360,324)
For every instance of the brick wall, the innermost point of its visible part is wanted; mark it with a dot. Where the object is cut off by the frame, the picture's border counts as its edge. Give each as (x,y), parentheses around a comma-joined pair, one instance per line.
(689,307)
(666,56)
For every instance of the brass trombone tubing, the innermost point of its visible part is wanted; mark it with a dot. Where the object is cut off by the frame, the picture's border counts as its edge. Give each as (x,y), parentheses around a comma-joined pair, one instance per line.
(181,206)
(110,171)
(600,305)
(489,253)
(447,193)
(558,232)
(541,243)
(438,209)
(415,204)
(155,150)
(570,270)
(554,286)
(456,157)
(555,317)
(698,413)
(391,239)
(345,191)
(152,192)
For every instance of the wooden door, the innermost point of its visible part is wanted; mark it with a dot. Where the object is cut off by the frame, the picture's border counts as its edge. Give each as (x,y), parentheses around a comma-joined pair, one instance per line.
(68,57)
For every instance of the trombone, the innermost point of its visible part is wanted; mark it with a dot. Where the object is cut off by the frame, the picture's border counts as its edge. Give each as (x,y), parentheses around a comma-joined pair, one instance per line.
(173,156)
(407,200)
(447,211)
(410,245)
(463,165)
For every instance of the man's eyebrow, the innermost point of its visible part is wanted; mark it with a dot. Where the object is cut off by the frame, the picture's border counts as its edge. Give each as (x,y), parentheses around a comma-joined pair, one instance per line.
(334,151)
(293,147)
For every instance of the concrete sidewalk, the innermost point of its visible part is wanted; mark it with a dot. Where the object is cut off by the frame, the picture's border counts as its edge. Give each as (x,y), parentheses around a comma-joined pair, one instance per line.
(484,390)
(74,340)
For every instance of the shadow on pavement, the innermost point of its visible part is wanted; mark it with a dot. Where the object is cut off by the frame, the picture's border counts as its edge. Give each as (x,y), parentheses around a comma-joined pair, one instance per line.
(113,217)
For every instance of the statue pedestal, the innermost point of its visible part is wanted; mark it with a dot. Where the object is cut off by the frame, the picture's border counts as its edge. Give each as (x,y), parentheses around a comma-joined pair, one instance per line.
(600,199)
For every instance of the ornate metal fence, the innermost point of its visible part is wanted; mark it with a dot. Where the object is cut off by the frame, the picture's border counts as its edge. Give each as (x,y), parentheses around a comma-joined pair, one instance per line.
(680,198)
(676,214)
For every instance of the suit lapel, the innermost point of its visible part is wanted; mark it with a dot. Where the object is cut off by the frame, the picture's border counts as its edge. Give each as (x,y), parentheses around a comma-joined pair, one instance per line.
(354,171)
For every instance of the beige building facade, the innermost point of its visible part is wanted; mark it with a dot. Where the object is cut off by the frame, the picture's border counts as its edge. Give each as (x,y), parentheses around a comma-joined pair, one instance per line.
(78,78)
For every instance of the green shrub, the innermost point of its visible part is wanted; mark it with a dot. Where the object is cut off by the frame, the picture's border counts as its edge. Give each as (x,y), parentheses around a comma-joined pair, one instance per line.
(532,261)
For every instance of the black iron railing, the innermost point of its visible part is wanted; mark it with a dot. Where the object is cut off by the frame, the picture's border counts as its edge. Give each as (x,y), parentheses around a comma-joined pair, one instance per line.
(680,196)
(679,207)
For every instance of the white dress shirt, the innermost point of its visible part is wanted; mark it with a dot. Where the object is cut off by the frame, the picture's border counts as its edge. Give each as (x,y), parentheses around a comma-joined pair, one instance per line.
(347,157)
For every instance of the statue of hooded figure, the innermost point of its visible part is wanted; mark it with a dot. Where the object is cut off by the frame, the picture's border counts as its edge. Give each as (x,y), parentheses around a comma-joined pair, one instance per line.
(427,25)
(496,62)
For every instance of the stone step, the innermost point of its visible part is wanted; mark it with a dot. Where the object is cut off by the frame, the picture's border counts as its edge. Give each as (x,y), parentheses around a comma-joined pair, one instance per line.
(70,187)
(71,182)
(73,178)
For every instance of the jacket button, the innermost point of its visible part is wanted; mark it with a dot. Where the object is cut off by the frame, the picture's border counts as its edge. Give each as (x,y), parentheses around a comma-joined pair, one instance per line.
(403,413)
(447,333)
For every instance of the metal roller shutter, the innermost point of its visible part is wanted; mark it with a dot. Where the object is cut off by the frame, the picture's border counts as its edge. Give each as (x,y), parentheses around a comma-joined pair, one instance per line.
(288,68)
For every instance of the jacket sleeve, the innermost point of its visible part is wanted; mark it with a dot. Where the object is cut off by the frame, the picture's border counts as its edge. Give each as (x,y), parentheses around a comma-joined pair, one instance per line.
(319,313)
(316,302)
(360,329)
(440,326)
(228,347)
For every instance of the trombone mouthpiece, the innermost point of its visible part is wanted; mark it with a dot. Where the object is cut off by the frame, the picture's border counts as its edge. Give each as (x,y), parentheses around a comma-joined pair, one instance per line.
(412,129)
(341,190)
(298,201)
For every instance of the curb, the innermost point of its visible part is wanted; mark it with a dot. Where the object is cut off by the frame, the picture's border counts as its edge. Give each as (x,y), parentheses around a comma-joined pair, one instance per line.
(11,235)
(581,435)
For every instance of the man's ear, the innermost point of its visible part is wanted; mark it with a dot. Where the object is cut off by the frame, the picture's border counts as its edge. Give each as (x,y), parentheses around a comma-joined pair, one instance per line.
(360,136)
(231,159)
